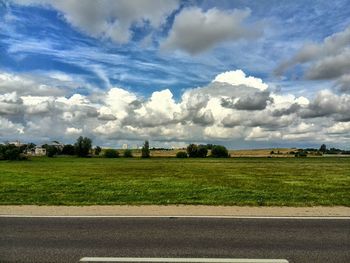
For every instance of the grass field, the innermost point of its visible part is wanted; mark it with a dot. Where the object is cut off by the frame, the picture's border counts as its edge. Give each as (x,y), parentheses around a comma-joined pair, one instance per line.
(234,181)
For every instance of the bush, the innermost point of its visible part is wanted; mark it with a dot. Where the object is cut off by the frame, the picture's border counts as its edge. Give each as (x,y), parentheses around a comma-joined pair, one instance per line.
(181,155)
(111,153)
(219,151)
(128,153)
(301,154)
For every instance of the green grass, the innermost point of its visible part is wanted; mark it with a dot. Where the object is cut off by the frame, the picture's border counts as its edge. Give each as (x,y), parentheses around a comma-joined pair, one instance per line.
(234,181)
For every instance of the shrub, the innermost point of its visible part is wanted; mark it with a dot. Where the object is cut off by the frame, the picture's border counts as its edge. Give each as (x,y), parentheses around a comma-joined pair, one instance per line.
(181,155)
(111,153)
(219,151)
(128,153)
(301,154)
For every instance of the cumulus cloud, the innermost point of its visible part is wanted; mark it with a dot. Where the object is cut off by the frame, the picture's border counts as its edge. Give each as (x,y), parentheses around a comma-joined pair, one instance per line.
(195,30)
(327,60)
(238,77)
(234,109)
(111,19)
(254,101)
(326,104)
(343,83)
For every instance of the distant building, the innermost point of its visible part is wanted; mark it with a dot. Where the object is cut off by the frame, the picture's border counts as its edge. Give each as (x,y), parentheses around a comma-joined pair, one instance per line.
(39,151)
(16,143)
(125,146)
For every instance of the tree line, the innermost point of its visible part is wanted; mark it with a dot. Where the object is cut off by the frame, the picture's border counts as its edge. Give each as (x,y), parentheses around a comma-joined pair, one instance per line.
(83,148)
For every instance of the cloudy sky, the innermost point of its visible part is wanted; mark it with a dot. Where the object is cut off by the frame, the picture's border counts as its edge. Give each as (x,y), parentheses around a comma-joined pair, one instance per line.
(246,74)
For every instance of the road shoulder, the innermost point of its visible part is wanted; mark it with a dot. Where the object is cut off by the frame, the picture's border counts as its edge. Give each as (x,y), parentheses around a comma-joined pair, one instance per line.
(174,210)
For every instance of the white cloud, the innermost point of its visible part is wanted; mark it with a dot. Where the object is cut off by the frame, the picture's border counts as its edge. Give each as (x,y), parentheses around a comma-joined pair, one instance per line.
(340,127)
(73,131)
(259,134)
(198,116)
(195,30)
(238,77)
(108,18)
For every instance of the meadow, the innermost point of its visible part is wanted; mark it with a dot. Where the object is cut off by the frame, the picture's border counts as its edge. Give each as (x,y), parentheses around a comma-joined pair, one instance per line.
(235,181)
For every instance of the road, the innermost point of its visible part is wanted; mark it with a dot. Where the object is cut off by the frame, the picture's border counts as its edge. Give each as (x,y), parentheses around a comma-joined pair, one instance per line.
(70,239)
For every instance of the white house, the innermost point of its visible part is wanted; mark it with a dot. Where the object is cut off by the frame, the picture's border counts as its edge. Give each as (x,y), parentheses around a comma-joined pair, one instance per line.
(39,151)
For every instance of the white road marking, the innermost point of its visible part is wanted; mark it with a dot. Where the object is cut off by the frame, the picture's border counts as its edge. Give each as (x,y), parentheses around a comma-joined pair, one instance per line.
(182,216)
(182,260)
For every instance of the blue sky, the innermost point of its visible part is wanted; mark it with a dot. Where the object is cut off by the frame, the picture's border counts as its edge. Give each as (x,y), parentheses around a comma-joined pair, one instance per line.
(92,49)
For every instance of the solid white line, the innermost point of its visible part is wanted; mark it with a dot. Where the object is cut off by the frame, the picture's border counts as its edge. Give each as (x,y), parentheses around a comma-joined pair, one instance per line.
(181,216)
(182,260)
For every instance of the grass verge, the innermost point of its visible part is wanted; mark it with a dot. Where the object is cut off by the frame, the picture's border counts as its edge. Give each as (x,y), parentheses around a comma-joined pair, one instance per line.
(234,181)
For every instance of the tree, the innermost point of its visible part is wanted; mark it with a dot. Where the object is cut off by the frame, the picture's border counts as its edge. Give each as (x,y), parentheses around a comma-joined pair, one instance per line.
(11,152)
(128,153)
(195,150)
(219,151)
(145,150)
(30,146)
(68,149)
(51,151)
(323,148)
(111,153)
(301,153)
(83,146)
(202,151)
(98,150)
(192,150)
(181,155)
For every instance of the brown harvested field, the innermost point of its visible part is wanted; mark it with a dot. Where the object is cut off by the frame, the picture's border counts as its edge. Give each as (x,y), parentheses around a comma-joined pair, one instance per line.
(279,152)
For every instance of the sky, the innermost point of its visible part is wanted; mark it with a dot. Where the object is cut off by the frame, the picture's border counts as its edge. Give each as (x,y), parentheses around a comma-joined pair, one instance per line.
(244,74)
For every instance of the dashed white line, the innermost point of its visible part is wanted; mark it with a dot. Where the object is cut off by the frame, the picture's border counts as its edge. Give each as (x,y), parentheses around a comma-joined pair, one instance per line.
(181,260)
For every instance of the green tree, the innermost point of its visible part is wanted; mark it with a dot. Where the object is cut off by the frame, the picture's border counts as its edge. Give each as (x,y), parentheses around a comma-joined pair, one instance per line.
(83,146)
(199,151)
(51,151)
(128,153)
(145,150)
(202,151)
(111,153)
(68,149)
(323,148)
(11,152)
(192,150)
(98,150)
(219,151)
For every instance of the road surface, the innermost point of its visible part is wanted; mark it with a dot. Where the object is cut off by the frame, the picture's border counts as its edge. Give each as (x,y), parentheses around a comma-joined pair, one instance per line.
(51,239)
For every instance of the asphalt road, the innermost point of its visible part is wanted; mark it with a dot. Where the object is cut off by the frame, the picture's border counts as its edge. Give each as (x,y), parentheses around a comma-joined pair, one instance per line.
(70,239)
